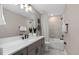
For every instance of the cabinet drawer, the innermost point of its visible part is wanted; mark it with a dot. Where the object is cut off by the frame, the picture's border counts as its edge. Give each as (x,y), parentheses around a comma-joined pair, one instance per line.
(39,42)
(21,52)
(32,46)
(32,52)
(42,41)
(35,51)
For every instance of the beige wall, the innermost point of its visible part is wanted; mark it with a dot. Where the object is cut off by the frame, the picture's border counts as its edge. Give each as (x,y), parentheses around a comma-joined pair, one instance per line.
(13,22)
(72,37)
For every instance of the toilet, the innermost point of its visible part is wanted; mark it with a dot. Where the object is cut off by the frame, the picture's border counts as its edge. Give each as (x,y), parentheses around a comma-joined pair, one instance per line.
(47,44)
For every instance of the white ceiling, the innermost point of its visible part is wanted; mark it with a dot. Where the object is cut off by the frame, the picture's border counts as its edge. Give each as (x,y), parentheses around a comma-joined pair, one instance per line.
(54,9)
(50,9)
(18,10)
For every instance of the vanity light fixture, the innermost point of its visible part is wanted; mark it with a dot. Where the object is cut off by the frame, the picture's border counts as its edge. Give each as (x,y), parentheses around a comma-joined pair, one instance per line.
(26,7)
(30,7)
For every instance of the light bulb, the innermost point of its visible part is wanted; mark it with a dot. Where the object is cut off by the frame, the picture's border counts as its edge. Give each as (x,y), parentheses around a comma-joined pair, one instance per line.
(16,4)
(22,6)
(26,5)
(30,8)
(26,9)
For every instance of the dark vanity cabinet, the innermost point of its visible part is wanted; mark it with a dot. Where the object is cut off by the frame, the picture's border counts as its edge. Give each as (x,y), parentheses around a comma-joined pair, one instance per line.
(36,48)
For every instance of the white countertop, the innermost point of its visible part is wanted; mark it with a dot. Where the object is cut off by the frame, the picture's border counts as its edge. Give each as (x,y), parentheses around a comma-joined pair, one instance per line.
(15,45)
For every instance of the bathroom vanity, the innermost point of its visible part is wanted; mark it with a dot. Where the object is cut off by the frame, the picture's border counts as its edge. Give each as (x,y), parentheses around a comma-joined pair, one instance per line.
(30,46)
(36,48)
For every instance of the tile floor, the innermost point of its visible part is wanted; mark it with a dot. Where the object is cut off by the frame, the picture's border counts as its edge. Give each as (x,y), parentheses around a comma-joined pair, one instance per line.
(52,51)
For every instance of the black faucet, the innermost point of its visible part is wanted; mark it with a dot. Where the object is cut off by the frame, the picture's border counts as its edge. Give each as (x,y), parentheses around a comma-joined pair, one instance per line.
(26,36)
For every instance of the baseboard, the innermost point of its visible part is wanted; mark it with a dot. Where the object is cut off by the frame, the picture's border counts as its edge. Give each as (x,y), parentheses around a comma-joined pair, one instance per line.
(65,52)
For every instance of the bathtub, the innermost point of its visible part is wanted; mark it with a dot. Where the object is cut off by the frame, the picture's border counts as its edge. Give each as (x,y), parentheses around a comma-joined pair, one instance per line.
(56,43)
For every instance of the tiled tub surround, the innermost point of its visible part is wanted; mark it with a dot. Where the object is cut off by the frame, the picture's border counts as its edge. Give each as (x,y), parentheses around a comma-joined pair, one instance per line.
(11,45)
